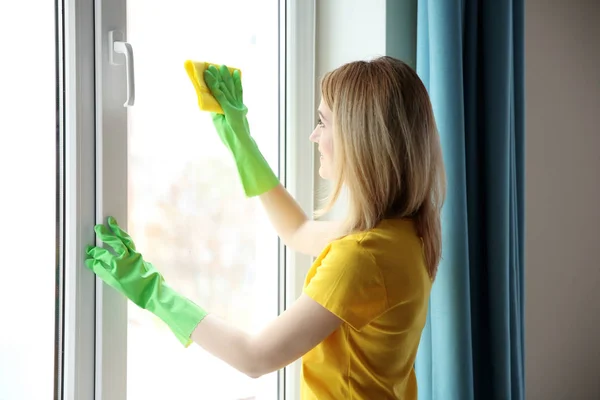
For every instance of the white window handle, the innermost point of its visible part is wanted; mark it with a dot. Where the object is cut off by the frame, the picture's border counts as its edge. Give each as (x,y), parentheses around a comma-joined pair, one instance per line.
(117,45)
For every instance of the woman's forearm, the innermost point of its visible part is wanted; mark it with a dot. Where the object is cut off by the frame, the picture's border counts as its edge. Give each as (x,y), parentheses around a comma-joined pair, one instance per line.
(292,225)
(285,339)
(284,212)
(230,344)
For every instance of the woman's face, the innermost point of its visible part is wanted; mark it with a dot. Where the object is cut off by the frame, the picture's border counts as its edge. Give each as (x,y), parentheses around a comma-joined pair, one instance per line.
(323,136)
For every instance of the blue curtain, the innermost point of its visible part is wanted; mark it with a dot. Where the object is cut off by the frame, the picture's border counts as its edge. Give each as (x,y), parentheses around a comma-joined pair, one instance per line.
(470,56)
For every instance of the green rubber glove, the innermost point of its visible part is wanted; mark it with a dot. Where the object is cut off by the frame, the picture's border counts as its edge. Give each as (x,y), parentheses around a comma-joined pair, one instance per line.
(140,282)
(254,171)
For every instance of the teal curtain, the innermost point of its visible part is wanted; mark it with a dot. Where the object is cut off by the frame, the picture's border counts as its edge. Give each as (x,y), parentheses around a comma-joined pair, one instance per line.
(470,56)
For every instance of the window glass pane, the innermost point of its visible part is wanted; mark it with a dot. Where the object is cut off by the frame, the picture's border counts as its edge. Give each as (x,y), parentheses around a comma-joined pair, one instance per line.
(187,211)
(28,199)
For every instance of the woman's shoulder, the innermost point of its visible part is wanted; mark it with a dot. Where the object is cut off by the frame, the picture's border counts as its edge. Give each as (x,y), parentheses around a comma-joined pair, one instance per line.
(392,245)
(389,233)
(391,253)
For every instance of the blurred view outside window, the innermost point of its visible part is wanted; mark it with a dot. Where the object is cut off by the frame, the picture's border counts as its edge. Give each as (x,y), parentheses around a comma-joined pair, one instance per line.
(28,199)
(187,211)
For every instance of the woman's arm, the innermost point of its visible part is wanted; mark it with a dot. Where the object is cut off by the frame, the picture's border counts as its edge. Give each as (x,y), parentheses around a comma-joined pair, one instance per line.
(294,228)
(300,328)
(258,179)
(305,324)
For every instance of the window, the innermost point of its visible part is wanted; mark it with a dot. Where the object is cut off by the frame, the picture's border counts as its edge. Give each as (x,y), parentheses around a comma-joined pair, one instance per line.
(163,172)
(72,154)
(186,208)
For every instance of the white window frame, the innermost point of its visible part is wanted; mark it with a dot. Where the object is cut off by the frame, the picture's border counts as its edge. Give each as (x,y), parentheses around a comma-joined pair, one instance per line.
(110,195)
(76,57)
(300,112)
(95,317)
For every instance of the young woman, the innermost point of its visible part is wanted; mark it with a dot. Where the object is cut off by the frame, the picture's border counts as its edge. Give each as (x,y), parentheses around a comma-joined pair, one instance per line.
(358,323)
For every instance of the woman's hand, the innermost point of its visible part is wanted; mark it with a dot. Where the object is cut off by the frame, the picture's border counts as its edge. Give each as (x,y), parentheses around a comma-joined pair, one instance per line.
(227,89)
(139,281)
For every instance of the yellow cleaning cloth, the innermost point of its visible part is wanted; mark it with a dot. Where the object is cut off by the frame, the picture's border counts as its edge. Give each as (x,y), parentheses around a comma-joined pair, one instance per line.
(206,101)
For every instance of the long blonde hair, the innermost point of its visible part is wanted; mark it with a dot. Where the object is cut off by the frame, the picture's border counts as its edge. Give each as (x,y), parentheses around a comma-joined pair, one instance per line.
(386,149)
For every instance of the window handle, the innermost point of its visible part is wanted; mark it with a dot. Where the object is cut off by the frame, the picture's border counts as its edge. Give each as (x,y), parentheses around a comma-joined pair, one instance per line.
(119,46)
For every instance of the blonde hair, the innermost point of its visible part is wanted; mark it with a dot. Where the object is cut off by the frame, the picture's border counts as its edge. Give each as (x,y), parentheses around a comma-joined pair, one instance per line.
(386,149)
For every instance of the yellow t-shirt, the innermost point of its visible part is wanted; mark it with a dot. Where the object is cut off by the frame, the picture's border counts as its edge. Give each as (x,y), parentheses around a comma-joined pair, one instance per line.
(377,283)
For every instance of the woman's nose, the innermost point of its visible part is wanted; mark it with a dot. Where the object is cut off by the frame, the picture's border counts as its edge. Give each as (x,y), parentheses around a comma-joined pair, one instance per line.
(314,136)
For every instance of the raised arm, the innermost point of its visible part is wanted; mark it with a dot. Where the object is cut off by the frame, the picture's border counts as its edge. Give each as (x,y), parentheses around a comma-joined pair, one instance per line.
(295,229)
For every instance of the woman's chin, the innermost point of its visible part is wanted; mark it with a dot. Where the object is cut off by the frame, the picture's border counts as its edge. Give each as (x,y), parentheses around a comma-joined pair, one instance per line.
(323,173)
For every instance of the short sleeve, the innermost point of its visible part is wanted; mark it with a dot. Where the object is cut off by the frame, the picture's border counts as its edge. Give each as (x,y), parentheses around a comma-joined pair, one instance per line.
(347,282)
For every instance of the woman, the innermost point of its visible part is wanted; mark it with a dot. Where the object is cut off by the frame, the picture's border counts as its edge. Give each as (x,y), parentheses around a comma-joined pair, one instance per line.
(358,323)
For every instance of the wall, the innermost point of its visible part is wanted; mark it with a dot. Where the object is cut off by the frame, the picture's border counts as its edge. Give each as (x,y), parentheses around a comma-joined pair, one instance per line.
(562,199)
(348,30)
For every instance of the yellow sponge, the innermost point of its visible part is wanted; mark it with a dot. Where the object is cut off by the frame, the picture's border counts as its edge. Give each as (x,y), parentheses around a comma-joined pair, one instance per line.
(206,101)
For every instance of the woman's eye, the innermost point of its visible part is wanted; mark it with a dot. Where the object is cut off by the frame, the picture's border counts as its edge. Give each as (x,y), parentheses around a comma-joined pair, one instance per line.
(319,122)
